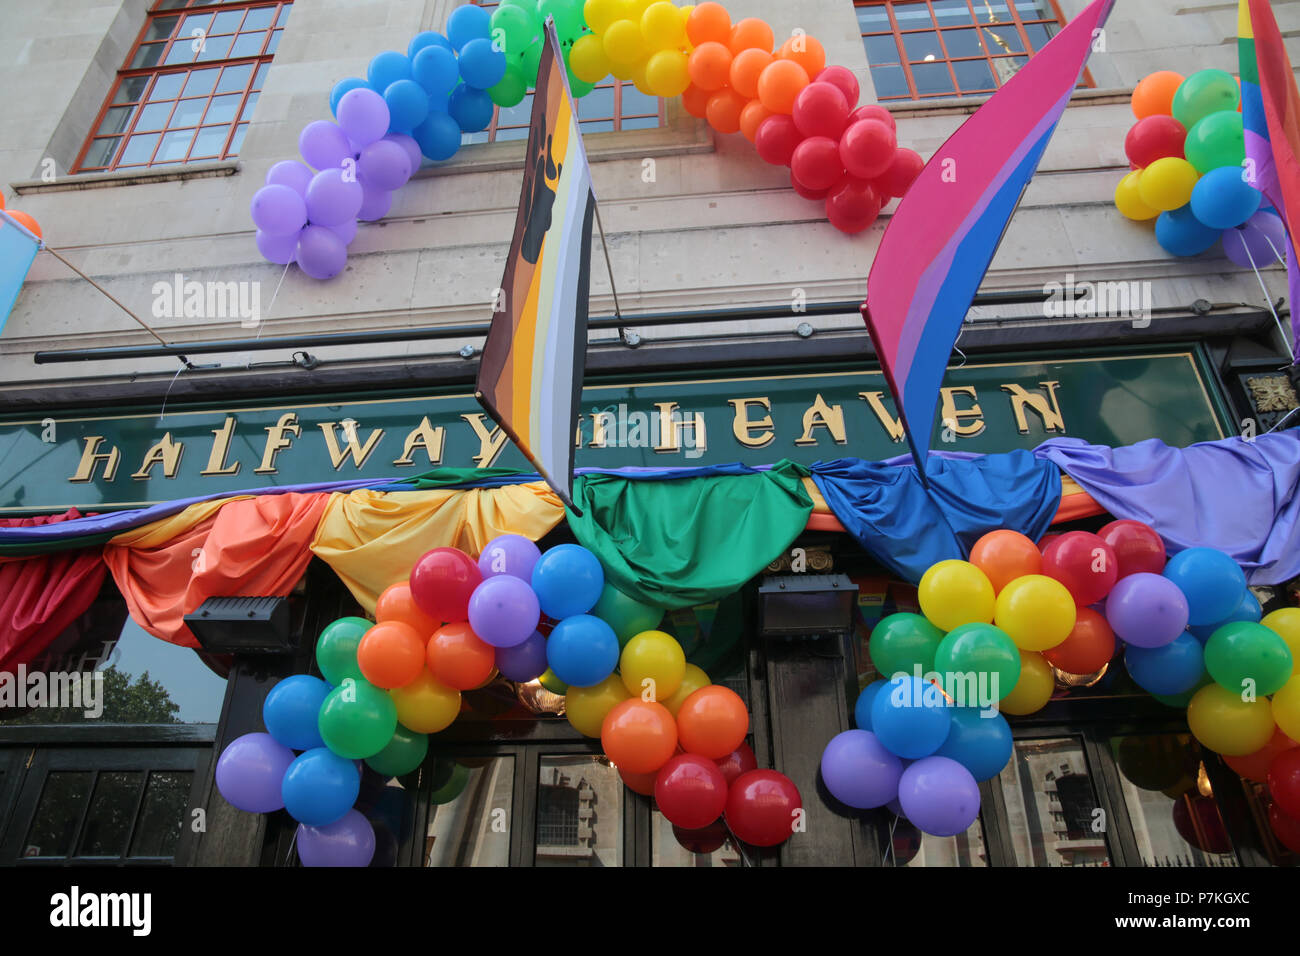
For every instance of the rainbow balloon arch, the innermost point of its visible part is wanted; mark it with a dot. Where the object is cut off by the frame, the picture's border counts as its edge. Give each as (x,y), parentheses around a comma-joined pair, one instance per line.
(796,110)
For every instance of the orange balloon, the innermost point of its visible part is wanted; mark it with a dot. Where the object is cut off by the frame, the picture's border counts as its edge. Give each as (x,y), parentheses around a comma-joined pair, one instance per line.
(2,200)
(1089,646)
(391,654)
(642,783)
(753,114)
(724,109)
(746,67)
(709,23)
(1255,766)
(32,225)
(806,51)
(780,84)
(696,101)
(638,736)
(459,658)
(1154,95)
(1004,556)
(709,66)
(396,604)
(751,33)
(712,722)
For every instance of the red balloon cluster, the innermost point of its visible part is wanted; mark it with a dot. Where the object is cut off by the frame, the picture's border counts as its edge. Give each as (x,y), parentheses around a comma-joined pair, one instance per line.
(1284,786)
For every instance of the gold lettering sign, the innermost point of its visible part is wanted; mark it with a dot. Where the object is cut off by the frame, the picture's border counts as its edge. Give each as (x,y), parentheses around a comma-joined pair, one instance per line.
(821,415)
(355,449)
(952,416)
(276,440)
(671,426)
(490,443)
(893,426)
(166,451)
(424,436)
(90,455)
(743,427)
(221,439)
(1049,413)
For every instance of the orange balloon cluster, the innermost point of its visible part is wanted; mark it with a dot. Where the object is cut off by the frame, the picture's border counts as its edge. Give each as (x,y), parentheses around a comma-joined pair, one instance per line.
(639,736)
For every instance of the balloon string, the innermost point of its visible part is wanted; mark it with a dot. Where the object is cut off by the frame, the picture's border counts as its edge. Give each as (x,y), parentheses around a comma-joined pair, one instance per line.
(1267,298)
(889,851)
(248,359)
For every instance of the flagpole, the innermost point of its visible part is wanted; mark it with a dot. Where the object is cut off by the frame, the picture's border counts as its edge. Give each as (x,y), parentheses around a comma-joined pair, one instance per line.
(609,267)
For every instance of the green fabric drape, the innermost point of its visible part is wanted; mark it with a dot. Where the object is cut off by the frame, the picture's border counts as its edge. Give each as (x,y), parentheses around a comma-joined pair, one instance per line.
(686,541)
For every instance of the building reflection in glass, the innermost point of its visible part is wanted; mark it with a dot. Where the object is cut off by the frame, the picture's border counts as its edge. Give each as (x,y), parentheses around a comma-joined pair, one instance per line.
(469,813)
(579,812)
(902,844)
(1052,808)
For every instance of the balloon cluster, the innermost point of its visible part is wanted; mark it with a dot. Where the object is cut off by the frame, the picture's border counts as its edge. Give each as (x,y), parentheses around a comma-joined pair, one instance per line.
(1187,151)
(26,219)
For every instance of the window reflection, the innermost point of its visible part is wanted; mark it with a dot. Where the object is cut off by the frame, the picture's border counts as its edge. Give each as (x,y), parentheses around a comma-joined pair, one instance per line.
(903,844)
(1052,806)
(469,812)
(579,812)
(672,846)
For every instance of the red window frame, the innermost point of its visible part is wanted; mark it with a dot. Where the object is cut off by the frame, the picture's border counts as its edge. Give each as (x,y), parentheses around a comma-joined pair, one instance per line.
(132,95)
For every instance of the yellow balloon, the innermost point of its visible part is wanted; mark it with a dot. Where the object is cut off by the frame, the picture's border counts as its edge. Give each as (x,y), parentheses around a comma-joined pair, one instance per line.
(586,707)
(639,79)
(587,59)
(426,706)
(653,665)
(1034,688)
(695,679)
(1286,708)
(636,9)
(1286,624)
(553,683)
(599,14)
(1168,183)
(624,44)
(662,26)
(666,73)
(1228,725)
(1128,198)
(624,71)
(1036,612)
(953,593)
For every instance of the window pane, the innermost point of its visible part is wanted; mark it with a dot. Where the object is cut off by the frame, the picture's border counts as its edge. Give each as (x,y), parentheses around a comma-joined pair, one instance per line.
(234,79)
(275,41)
(131,89)
(148,55)
(873,19)
(162,814)
(182,51)
(171,4)
(963,42)
(108,824)
(1003,40)
(1039,34)
(890,81)
(284,15)
(672,846)
(101,152)
(249,106)
(881,49)
(641,122)
(636,103)
(478,137)
(1005,67)
(210,141)
(913,16)
(260,79)
(974,75)
(259,18)
(201,82)
(188,112)
(598,104)
(1034,10)
(215,48)
(1050,802)
(180,687)
(154,116)
(579,812)
(227,21)
(57,814)
(903,844)
(167,86)
(196,21)
(248,44)
(921,46)
(512,132)
(237,142)
(932,78)
(139,149)
(949,12)
(174,146)
(469,812)
(597,126)
(223,109)
(517,115)
(116,120)
(160,28)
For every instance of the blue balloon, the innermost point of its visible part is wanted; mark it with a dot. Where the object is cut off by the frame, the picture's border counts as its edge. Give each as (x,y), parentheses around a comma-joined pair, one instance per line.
(582,650)
(568,580)
(1180,233)
(481,65)
(862,709)
(436,69)
(1247,610)
(344,86)
(1167,670)
(438,136)
(911,717)
(290,711)
(426,39)
(387,68)
(468,22)
(1223,200)
(1213,583)
(408,105)
(470,108)
(982,744)
(525,661)
(320,787)
(859,771)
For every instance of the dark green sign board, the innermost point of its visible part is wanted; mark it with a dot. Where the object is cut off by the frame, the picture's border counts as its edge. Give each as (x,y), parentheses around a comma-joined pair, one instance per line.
(125,460)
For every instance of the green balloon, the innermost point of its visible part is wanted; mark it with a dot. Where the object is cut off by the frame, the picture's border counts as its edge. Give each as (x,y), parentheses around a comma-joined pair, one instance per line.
(513,29)
(511,90)
(567,14)
(902,641)
(530,61)
(980,649)
(578,88)
(1218,140)
(628,617)
(448,782)
(405,751)
(553,683)
(336,650)
(1244,652)
(1203,93)
(357,719)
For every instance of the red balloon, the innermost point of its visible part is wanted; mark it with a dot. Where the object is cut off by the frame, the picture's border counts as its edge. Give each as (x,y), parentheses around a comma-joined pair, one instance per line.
(1136,545)
(442,582)
(807,193)
(1197,820)
(820,109)
(1084,563)
(874,111)
(761,807)
(691,791)
(1284,781)
(705,840)
(842,77)
(1256,766)
(1155,137)
(853,205)
(776,139)
(904,167)
(741,760)
(816,163)
(1089,647)
(642,783)
(1285,828)
(867,148)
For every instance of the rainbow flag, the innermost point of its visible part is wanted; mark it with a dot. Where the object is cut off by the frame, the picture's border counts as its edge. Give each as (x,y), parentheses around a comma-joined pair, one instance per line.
(939,243)
(530,378)
(18,248)
(1270,112)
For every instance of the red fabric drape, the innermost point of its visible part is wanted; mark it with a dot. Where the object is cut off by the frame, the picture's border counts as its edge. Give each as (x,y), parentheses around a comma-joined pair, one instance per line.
(41,595)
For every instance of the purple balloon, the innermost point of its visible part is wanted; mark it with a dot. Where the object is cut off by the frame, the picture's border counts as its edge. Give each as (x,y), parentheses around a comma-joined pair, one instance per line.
(939,796)
(363,115)
(278,210)
(384,165)
(347,231)
(523,662)
(511,554)
(375,204)
(290,173)
(250,772)
(323,144)
(859,771)
(278,249)
(412,148)
(333,198)
(1261,238)
(348,841)
(1147,610)
(503,611)
(322,254)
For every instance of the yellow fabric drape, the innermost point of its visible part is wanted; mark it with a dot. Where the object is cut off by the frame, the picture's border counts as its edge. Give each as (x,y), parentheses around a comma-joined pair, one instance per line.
(158,533)
(372,539)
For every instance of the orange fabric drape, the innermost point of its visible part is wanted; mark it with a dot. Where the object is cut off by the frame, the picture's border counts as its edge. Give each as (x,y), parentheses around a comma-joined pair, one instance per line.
(228,548)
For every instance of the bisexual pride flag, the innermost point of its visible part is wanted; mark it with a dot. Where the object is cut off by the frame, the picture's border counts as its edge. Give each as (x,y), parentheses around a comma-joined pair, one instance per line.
(17,250)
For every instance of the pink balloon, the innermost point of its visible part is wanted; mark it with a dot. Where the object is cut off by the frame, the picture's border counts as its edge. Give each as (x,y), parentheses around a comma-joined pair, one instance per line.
(853,205)
(820,109)
(816,163)
(867,148)
(776,139)
(842,77)
(905,165)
